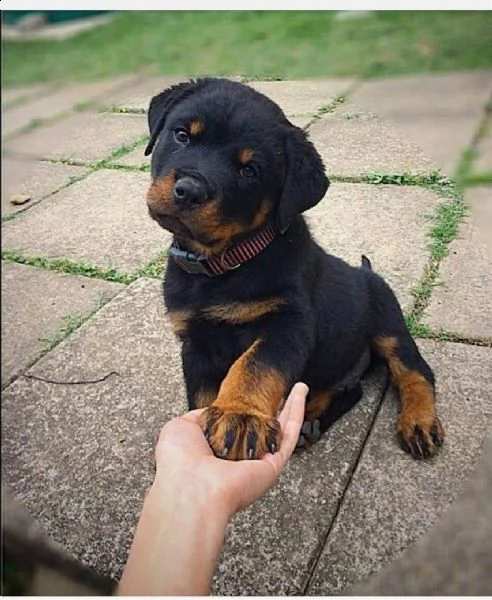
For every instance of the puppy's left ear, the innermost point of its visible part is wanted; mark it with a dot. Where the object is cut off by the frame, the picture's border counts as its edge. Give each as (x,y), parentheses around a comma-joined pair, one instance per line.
(305,180)
(161,105)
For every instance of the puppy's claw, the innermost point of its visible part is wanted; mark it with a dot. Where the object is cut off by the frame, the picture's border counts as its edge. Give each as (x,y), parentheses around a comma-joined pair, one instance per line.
(229,438)
(422,441)
(251,444)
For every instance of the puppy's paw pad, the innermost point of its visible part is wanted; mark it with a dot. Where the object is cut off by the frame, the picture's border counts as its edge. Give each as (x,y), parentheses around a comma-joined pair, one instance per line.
(240,436)
(421,440)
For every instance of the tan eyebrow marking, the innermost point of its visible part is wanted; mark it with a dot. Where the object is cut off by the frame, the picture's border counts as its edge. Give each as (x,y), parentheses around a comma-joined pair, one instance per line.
(196,127)
(245,155)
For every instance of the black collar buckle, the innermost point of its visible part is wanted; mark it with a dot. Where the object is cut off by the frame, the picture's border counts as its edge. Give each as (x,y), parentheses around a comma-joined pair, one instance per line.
(191,262)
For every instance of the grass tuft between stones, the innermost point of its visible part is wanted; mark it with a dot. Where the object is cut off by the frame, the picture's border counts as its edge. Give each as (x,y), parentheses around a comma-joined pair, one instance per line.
(118,153)
(73,321)
(65,265)
(154,269)
(478,179)
(329,108)
(423,331)
(434,180)
(444,229)
(122,110)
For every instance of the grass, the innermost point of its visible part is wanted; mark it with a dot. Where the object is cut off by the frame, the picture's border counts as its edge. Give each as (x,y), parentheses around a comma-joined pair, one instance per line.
(65,265)
(73,321)
(154,269)
(435,180)
(258,44)
(478,179)
(120,152)
(444,229)
(445,223)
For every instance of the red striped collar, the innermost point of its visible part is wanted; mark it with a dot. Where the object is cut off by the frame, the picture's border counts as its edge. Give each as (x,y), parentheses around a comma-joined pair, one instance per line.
(230,259)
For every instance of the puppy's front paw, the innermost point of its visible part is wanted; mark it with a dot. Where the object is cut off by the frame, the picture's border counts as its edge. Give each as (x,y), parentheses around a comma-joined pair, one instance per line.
(240,435)
(420,437)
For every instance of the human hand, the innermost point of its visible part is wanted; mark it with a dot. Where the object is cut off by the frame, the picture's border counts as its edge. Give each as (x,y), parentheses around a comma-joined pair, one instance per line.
(185,462)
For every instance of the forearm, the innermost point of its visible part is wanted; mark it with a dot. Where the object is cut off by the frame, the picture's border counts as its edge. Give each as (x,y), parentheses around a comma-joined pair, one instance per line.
(176,545)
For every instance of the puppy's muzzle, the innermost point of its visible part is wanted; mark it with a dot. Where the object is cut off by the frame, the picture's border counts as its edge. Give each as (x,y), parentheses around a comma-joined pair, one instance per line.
(188,193)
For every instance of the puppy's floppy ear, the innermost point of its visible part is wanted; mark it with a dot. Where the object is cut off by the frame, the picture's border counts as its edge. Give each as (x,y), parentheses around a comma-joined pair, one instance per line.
(305,180)
(161,105)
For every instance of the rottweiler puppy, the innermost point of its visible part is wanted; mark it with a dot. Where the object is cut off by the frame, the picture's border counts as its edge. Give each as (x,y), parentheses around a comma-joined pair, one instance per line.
(255,301)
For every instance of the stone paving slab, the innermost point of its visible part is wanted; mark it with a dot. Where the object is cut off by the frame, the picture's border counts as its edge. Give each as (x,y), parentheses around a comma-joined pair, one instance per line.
(387,223)
(354,146)
(271,547)
(36,179)
(393,500)
(138,96)
(453,558)
(438,112)
(18,94)
(442,138)
(59,101)
(102,220)
(306,96)
(297,98)
(456,94)
(461,301)
(483,162)
(80,457)
(34,304)
(83,137)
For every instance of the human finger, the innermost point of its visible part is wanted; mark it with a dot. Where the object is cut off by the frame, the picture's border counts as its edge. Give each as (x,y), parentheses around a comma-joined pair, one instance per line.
(291,419)
(192,415)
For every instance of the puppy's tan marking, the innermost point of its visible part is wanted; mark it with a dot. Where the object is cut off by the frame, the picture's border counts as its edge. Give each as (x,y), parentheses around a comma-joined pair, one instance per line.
(205,397)
(207,220)
(318,403)
(246,409)
(160,195)
(247,388)
(180,320)
(237,313)
(196,127)
(418,407)
(245,155)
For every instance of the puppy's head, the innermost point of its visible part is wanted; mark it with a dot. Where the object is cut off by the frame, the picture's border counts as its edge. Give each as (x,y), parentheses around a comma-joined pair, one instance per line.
(225,163)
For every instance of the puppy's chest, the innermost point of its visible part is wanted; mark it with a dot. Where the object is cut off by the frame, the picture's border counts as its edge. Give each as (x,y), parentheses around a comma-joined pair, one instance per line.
(218,321)
(220,309)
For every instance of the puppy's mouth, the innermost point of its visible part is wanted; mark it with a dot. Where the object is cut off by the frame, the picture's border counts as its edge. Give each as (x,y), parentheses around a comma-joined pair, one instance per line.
(172,224)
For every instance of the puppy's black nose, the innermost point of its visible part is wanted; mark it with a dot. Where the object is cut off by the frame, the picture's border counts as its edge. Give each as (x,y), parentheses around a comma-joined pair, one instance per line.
(188,193)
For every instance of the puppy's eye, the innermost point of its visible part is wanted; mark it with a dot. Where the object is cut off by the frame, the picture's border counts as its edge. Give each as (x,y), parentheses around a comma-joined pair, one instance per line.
(248,172)
(181,136)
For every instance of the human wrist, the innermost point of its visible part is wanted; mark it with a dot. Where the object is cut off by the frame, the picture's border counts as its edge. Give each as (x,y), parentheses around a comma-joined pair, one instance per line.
(178,533)
(194,488)
(185,494)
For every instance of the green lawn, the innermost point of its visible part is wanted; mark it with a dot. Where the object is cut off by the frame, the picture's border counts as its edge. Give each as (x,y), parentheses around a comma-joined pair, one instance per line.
(270,44)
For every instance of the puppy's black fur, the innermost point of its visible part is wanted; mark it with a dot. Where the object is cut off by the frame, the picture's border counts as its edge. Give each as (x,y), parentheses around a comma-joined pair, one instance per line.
(226,167)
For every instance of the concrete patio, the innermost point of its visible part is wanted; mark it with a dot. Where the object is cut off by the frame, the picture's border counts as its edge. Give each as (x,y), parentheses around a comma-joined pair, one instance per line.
(82,301)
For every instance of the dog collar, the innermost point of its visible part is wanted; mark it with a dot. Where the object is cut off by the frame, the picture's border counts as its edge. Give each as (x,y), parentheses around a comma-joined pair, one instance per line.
(232,258)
